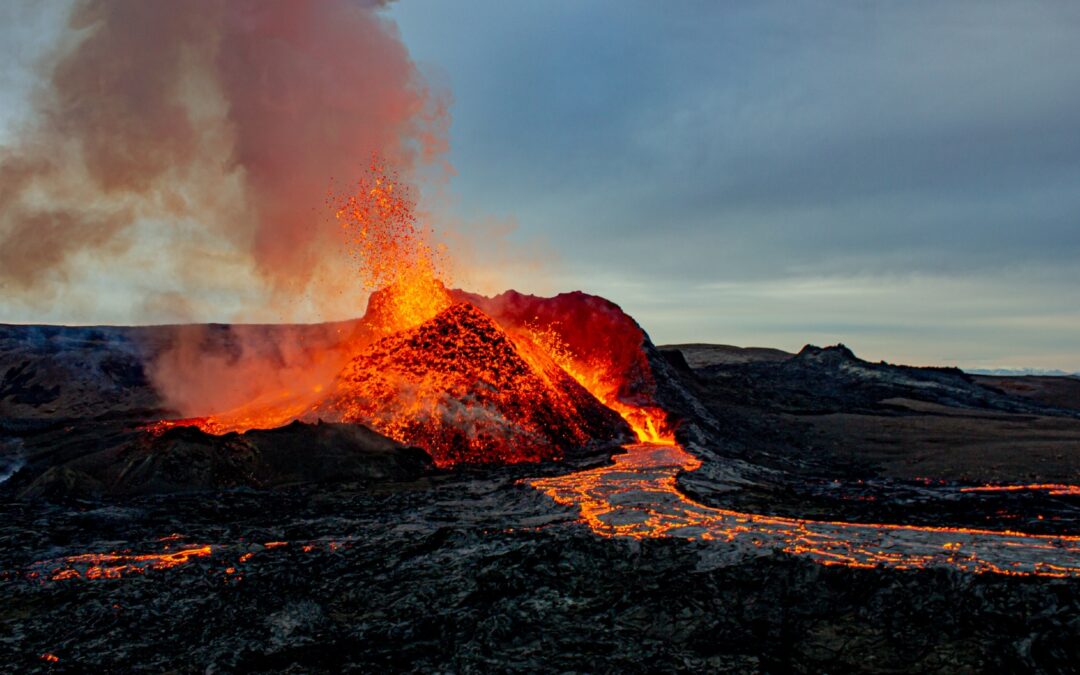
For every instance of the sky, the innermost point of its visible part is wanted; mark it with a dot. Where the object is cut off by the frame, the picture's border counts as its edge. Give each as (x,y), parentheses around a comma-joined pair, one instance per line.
(902,177)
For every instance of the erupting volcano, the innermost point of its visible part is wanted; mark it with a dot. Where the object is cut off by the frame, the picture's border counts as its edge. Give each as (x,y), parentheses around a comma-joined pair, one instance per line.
(470,379)
(294,377)
(338,453)
(461,388)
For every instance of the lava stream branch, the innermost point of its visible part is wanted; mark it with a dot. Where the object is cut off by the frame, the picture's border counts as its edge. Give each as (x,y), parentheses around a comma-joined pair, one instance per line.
(637,497)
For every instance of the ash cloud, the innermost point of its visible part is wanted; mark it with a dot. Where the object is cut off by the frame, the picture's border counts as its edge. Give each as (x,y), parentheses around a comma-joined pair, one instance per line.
(222,124)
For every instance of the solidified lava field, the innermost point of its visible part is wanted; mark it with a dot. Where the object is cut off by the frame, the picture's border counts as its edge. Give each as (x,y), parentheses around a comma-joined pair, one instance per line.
(700,509)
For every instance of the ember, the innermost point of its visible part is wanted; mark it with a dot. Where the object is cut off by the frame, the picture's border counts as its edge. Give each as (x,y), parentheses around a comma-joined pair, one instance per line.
(392,252)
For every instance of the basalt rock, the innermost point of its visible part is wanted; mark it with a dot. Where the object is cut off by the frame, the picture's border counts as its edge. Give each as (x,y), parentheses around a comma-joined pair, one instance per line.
(185,459)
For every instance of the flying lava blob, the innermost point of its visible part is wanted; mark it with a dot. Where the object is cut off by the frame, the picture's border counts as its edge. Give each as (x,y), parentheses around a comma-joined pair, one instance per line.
(391,252)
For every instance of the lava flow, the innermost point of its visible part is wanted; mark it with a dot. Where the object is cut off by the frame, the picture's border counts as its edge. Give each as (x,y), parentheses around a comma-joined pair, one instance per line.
(518,378)
(637,496)
(115,565)
(121,564)
(1055,489)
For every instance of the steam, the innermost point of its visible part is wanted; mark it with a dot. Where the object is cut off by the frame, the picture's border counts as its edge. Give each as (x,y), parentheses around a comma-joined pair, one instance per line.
(208,129)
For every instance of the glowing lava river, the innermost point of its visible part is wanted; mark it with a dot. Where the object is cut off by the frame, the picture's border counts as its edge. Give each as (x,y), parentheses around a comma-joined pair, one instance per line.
(637,496)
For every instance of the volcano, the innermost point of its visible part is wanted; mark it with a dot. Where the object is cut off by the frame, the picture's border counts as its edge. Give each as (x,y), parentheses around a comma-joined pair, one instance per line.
(459,386)
(332,539)
(470,379)
(502,380)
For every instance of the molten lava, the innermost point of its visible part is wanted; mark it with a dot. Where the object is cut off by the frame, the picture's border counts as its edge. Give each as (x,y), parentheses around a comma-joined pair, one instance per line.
(392,253)
(470,379)
(596,343)
(1056,489)
(601,377)
(115,565)
(469,387)
(464,390)
(638,497)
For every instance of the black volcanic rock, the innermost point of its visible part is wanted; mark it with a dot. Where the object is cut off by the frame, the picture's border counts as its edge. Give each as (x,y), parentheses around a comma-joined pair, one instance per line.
(834,355)
(446,579)
(824,434)
(57,371)
(474,571)
(833,378)
(185,459)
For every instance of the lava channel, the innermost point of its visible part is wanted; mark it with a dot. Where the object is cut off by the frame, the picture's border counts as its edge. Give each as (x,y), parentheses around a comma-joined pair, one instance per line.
(637,497)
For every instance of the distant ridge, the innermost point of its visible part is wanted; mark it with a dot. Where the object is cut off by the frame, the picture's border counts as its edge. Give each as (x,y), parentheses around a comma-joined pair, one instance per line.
(1019,372)
(700,355)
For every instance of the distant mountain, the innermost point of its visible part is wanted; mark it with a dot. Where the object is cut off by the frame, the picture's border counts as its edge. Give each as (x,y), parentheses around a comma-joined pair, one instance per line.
(1019,372)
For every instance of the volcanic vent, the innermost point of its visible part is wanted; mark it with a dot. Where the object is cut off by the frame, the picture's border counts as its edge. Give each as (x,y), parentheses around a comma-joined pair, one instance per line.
(462,388)
(470,379)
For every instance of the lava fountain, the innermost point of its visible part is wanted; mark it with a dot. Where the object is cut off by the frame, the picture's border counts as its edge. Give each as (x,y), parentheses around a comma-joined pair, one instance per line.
(470,379)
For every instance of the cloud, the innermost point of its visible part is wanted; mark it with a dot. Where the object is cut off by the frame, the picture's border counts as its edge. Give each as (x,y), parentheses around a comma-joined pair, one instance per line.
(794,133)
(668,152)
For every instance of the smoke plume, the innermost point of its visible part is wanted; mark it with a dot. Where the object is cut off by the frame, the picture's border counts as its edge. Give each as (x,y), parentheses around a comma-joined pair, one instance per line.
(212,129)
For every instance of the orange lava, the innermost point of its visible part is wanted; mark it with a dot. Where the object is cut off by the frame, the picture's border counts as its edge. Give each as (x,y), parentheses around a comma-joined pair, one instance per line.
(101,566)
(392,252)
(601,377)
(1057,489)
(637,497)
(463,389)
(466,388)
(468,385)
(115,565)
(518,378)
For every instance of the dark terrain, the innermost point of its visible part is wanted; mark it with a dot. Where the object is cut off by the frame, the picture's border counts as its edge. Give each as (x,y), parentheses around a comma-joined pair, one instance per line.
(886,431)
(388,564)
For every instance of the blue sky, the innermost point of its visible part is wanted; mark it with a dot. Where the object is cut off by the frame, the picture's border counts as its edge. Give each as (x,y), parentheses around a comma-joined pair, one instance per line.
(903,177)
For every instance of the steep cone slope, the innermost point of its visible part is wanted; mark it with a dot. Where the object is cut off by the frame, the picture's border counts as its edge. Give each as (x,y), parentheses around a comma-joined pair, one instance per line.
(460,387)
(595,342)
